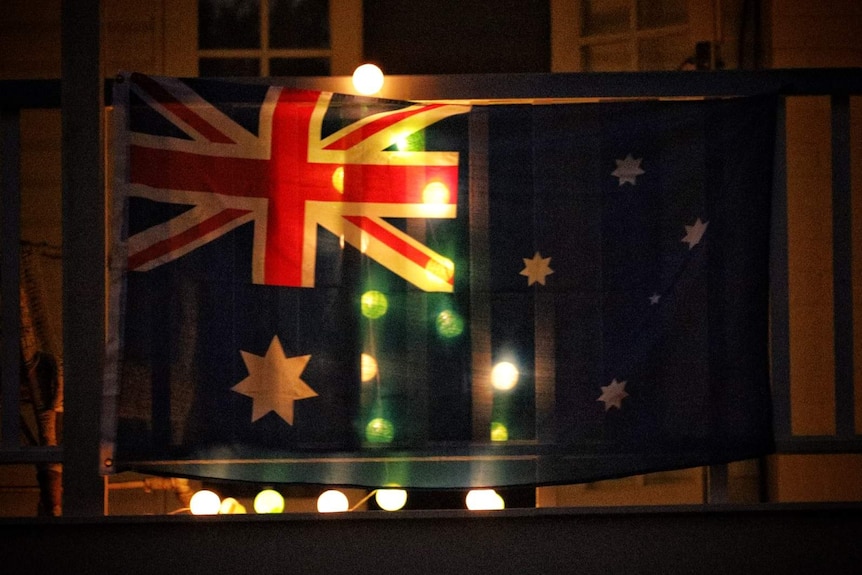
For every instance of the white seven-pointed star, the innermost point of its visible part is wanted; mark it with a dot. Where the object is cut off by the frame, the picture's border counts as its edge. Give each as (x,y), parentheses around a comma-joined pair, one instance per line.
(628,169)
(536,269)
(273,382)
(613,394)
(694,233)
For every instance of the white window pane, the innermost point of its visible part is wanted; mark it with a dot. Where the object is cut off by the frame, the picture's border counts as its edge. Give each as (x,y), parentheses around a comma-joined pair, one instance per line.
(663,53)
(228,24)
(660,13)
(299,23)
(605,16)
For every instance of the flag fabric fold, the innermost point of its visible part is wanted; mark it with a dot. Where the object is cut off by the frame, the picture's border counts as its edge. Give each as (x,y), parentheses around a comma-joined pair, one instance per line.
(321,288)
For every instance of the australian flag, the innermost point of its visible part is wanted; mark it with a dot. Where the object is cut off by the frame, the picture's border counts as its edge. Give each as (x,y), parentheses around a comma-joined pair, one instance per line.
(319,288)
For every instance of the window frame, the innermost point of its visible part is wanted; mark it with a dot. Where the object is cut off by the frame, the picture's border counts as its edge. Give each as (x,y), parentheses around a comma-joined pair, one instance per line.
(345,42)
(567,42)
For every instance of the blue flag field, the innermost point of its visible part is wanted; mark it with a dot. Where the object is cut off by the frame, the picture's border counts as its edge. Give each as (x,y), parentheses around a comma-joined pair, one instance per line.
(320,288)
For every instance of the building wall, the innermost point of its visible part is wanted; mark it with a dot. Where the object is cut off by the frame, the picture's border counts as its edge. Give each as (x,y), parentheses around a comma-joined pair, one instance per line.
(807,33)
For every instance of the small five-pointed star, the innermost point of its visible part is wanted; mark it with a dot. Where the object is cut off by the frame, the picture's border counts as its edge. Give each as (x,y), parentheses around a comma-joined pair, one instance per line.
(273,382)
(613,394)
(536,269)
(628,169)
(693,234)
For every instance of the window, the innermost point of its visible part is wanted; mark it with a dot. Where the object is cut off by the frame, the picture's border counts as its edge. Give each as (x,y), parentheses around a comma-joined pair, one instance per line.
(626,35)
(278,37)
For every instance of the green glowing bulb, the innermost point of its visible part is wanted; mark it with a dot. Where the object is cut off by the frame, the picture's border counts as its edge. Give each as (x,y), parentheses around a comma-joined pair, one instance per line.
(449,323)
(269,501)
(374,304)
(499,432)
(379,430)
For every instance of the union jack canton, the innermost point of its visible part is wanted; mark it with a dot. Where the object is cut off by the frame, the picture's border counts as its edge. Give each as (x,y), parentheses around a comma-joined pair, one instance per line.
(288,179)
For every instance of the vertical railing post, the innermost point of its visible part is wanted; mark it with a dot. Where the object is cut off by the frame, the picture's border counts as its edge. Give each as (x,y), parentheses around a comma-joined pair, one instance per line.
(10,212)
(83,255)
(842,266)
(779,277)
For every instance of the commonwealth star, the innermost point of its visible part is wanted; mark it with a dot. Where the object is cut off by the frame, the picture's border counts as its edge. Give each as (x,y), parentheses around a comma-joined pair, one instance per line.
(273,382)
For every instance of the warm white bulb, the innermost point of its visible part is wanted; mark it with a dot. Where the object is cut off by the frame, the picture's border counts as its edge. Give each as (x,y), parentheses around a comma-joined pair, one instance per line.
(504,376)
(332,501)
(435,193)
(390,499)
(205,502)
(368,79)
(230,506)
(368,368)
(484,500)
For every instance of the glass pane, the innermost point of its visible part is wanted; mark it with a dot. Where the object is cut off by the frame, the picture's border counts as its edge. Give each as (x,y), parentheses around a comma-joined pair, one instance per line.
(299,67)
(605,16)
(666,53)
(659,13)
(228,24)
(229,67)
(299,24)
(607,58)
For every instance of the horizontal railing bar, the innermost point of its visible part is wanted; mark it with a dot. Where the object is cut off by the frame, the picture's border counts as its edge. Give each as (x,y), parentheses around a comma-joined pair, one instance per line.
(18,94)
(38,454)
(825,444)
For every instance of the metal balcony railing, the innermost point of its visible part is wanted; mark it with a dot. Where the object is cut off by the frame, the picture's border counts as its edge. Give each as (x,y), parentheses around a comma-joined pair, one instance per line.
(838,85)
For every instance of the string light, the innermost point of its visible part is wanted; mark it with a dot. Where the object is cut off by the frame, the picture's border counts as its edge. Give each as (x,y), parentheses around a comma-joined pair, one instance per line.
(484,500)
(499,432)
(332,501)
(373,304)
(435,193)
(390,499)
(440,269)
(367,79)
(504,376)
(379,430)
(449,324)
(338,179)
(205,502)
(230,506)
(368,367)
(268,501)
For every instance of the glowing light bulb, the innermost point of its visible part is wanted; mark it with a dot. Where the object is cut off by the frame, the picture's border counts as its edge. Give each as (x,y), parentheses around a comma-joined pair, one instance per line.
(268,501)
(402,143)
(390,499)
(449,323)
(205,502)
(230,506)
(499,432)
(373,304)
(504,376)
(484,500)
(379,430)
(435,193)
(367,79)
(332,501)
(368,367)
(441,270)
(338,179)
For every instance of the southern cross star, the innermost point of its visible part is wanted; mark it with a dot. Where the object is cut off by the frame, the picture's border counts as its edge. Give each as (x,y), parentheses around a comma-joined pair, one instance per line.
(628,169)
(536,269)
(613,394)
(694,233)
